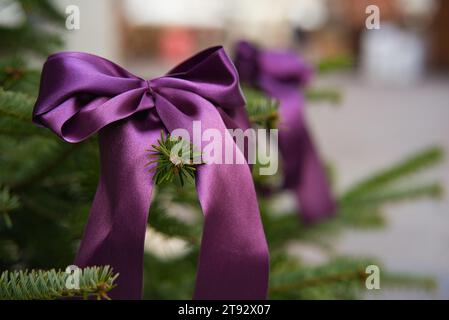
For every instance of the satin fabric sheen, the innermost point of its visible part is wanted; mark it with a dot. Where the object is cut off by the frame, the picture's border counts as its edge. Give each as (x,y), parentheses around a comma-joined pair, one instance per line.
(81,94)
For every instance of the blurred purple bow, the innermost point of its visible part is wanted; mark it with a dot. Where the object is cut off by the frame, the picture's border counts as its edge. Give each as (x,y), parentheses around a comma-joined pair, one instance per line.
(281,74)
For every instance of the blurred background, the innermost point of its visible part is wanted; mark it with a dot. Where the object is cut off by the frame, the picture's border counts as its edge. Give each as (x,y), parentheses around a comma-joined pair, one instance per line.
(395,97)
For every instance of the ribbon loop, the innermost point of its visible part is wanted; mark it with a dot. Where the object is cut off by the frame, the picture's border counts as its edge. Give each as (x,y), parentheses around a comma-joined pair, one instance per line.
(81,94)
(275,66)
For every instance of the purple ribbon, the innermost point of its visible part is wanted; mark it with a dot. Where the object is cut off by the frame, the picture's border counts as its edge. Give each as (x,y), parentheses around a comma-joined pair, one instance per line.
(280,74)
(81,94)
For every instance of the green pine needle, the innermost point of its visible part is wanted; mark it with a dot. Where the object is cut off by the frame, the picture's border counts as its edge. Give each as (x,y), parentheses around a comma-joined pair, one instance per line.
(340,62)
(15,76)
(170,166)
(422,160)
(16,106)
(51,284)
(331,95)
(8,202)
(262,110)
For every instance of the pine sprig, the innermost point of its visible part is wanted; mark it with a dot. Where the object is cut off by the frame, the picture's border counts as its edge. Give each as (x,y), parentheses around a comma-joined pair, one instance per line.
(262,110)
(51,284)
(172,159)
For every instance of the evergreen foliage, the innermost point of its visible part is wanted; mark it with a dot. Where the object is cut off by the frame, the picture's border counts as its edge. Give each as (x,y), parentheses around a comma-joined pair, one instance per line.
(47,187)
(48,285)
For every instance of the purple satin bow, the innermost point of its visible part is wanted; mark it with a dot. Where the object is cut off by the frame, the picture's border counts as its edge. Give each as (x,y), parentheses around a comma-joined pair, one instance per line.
(81,94)
(280,75)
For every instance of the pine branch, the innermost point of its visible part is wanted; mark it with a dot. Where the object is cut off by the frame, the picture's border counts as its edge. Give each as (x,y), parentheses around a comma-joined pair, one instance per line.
(170,278)
(364,211)
(16,105)
(406,280)
(262,110)
(45,170)
(412,165)
(362,217)
(388,279)
(399,194)
(8,202)
(14,76)
(14,130)
(337,278)
(330,95)
(28,38)
(172,226)
(356,275)
(31,36)
(51,284)
(43,8)
(332,64)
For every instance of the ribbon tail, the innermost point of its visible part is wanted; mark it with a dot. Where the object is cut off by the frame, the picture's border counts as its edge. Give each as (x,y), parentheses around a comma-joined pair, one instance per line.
(233,261)
(115,230)
(303,170)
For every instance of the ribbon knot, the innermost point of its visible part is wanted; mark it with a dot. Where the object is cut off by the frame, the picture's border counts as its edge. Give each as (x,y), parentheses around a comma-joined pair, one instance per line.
(280,74)
(81,94)
(149,88)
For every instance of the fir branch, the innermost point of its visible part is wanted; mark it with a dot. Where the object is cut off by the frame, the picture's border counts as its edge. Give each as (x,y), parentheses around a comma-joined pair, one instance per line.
(33,35)
(389,279)
(412,165)
(357,275)
(340,62)
(51,284)
(14,76)
(262,110)
(28,38)
(364,211)
(173,159)
(337,278)
(24,132)
(407,280)
(16,105)
(45,170)
(398,194)
(43,8)
(331,95)
(172,226)
(8,202)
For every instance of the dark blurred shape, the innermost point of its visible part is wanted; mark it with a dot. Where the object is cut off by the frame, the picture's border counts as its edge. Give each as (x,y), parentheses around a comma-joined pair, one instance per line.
(439,49)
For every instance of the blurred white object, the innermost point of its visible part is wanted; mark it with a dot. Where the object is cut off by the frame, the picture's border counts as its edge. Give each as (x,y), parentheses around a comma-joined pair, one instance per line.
(195,13)
(308,253)
(163,246)
(392,56)
(418,13)
(308,14)
(418,7)
(11,14)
